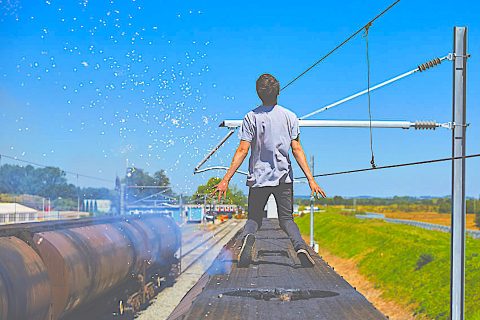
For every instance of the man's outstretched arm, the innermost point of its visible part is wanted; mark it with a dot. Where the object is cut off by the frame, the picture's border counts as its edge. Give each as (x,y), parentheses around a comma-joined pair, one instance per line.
(239,156)
(299,155)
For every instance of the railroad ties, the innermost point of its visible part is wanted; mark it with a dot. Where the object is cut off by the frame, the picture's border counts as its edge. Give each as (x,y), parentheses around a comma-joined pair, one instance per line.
(274,286)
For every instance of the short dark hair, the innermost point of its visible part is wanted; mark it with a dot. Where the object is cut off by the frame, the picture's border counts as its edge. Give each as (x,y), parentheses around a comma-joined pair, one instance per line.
(268,87)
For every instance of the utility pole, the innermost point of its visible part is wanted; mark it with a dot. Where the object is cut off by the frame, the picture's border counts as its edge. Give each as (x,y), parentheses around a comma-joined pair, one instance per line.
(122,199)
(78,196)
(457,292)
(181,208)
(204,211)
(312,202)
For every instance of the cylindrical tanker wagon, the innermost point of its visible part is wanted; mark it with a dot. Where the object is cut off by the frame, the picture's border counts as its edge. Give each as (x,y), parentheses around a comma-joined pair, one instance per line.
(61,270)
(25,291)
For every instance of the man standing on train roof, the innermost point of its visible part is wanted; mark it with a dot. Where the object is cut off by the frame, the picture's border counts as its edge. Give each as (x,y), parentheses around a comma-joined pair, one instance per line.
(270,130)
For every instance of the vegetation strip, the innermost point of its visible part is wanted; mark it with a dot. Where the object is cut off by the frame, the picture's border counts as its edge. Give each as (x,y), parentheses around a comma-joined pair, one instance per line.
(409,264)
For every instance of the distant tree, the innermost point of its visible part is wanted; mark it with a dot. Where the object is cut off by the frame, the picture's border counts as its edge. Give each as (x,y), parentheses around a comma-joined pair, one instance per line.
(118,184)
(445,207)
(138,177)
(234,194)
(237,196)
(205,189)
(46,182)
(95,206)
(63,204)
(97,193)
(477,219)
(160,178)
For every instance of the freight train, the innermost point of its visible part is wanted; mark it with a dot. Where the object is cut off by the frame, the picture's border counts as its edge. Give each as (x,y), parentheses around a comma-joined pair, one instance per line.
(49,270)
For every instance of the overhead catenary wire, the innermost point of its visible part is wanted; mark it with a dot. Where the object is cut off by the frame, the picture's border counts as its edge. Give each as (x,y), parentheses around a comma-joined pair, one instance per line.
(398,165)
(46,166)
(372,160)
(340,45)
(196,170)
(419,68)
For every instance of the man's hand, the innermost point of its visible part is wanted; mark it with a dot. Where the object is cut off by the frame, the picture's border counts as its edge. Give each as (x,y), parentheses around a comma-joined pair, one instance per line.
(238,158)
(316,190)
(221,188)
(299,155)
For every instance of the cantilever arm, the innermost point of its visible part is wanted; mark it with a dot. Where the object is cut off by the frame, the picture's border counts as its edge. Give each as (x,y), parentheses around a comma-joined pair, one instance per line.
(356,124)
(224,139)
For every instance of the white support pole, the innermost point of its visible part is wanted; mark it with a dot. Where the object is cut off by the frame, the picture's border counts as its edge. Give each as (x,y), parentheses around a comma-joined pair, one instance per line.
(312,211)
(457,286)
(388,124)
(180,205)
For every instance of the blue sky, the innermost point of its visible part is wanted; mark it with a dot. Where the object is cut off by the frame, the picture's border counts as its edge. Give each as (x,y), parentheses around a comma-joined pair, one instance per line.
(90,85)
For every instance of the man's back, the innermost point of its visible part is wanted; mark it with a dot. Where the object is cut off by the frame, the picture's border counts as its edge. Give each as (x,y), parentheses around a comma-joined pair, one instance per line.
(270,130)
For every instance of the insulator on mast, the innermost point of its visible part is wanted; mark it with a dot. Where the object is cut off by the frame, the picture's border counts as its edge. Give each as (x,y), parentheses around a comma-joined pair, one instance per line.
(429,64)
(425,125)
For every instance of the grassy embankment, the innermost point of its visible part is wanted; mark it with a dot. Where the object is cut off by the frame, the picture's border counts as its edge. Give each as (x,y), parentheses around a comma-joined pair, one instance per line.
(410,265)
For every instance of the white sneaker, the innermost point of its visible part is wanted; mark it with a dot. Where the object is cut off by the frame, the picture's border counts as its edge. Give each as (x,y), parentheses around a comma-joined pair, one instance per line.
(245,256)
(305,258)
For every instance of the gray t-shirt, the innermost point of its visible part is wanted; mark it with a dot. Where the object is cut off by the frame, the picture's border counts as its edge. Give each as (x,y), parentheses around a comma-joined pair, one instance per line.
(270,130)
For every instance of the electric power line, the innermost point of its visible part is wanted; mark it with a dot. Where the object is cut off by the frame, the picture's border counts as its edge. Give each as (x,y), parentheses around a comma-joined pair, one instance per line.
(340,45)
(406,164)
(66,171)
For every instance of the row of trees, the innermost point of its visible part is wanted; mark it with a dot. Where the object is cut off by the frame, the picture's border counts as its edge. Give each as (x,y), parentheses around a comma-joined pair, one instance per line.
(51,182)
(406,204)
(158,183)
(234,194)
(48,182)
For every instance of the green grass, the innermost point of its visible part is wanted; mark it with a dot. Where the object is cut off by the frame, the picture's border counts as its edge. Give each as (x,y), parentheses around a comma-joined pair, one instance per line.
(409,264)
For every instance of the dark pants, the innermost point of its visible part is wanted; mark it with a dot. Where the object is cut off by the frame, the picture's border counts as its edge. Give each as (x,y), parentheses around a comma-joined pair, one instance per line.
(257,199)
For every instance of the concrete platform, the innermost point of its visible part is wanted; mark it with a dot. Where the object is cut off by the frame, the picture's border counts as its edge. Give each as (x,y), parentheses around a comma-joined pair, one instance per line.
(275,286)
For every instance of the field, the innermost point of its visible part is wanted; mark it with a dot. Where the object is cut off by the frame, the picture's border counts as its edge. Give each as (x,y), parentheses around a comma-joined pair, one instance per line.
(425,216)
(410,265)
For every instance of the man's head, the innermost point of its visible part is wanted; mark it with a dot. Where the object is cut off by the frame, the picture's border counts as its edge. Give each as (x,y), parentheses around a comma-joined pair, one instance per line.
(268,89)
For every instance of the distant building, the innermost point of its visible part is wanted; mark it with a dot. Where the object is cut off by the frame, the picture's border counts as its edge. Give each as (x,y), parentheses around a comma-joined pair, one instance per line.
(12,212)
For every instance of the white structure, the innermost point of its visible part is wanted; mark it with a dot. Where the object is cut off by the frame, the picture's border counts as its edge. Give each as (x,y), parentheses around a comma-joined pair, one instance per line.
(12,212)
(271,207)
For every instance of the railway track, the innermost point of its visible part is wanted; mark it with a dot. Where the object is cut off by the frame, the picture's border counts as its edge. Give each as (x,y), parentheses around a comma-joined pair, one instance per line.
(194,254)
(199,251)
